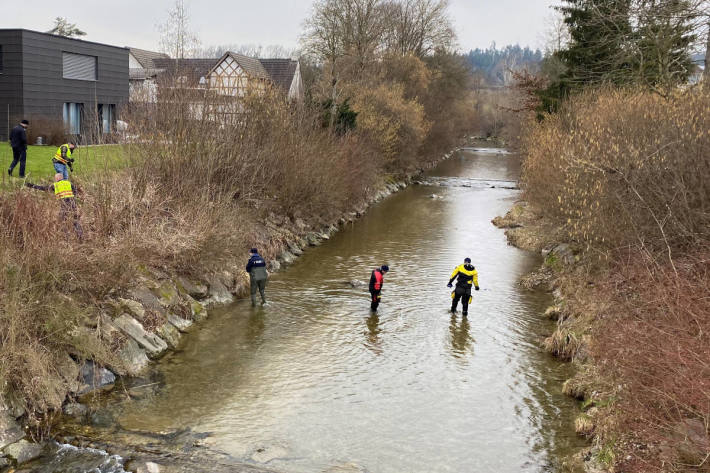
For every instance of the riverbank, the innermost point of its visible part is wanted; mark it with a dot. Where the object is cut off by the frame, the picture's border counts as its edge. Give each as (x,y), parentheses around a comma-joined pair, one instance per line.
(592,299)
(141,321)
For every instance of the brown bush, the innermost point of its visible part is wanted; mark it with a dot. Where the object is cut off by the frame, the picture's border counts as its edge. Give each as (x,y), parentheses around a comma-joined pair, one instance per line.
(622,168)
(395,124)
(51,130)
(657,346)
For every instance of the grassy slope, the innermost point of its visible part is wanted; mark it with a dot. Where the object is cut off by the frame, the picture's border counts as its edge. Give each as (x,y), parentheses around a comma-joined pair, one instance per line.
(89,160)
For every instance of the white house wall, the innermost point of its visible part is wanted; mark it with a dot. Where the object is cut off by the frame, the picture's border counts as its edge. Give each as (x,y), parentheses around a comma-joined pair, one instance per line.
(295,92)
(133,62)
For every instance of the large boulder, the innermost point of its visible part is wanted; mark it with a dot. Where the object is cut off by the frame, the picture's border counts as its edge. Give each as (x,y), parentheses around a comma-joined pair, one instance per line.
(153,344)
(94,377)
(134,308)
(287,257)
(149,301)
(181,324)
(193,289)
(23,451)
(167,294)
(198,311)
(10,430)
(134,358)
(218,291)
(170,334)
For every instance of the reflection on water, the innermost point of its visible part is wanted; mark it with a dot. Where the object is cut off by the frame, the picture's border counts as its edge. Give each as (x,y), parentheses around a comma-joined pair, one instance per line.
(314,380)
(461,339)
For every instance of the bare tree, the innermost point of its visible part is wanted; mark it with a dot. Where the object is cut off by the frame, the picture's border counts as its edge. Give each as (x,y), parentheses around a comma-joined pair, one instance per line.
(419,27)
(176,38)
(62,27)
(556,35)
(251,50)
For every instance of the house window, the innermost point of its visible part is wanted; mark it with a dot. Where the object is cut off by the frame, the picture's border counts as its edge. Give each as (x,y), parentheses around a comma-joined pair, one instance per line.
(79,66)
(107,115)
(72,117)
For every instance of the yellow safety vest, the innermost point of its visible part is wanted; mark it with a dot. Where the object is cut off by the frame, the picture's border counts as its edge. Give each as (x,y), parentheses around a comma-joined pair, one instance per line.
(63,190)
(58,154)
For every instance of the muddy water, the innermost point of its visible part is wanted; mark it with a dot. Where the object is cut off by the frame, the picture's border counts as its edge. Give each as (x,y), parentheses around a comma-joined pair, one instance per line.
(314,382)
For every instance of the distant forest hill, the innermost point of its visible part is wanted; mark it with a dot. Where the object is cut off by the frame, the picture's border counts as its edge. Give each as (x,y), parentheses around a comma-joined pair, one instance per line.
(495,66)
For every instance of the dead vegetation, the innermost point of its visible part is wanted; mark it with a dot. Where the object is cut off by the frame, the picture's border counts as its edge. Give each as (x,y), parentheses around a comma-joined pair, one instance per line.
(626,174)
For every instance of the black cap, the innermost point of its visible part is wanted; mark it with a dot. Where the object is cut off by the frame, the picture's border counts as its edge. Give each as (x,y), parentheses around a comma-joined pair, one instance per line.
(385,268)
(467,260)
(253,250)
(25,122)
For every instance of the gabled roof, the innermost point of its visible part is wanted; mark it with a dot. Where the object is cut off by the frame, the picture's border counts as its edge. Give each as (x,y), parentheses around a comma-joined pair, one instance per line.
(146,58)
(251,65)
(281,71)
(193,69)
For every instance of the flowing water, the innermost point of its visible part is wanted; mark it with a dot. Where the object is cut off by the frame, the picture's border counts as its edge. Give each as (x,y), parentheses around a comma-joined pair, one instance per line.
(314,382)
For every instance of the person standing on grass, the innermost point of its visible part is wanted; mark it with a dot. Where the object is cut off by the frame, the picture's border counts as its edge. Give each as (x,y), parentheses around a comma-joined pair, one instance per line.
(62,159)
(256,267)
(64,191)
(18,142)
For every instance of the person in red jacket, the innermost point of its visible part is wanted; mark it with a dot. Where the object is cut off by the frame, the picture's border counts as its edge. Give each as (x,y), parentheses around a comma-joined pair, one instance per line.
(376,281)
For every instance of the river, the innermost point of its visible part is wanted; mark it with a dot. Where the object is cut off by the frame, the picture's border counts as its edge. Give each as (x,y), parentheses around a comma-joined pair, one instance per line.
(314,382)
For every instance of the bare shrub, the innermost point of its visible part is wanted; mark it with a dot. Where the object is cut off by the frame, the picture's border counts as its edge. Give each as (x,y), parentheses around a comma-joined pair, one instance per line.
(625,168)
(658,348)
(51,130)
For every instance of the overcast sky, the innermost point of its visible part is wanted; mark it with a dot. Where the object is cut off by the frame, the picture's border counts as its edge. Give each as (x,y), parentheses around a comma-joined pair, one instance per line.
(265,22)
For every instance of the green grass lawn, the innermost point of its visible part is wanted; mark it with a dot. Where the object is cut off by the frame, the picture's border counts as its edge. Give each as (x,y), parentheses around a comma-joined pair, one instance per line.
(89,160)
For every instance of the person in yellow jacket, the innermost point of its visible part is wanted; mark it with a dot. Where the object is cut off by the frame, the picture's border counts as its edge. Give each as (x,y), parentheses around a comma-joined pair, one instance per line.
(64,191)
(466,277)
(62,159)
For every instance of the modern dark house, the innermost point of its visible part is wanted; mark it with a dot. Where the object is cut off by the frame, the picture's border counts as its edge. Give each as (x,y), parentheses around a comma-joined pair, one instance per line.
(57,81)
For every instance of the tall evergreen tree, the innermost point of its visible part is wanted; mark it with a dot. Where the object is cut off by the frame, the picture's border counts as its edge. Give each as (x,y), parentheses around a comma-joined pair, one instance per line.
(598,48)
(663,43)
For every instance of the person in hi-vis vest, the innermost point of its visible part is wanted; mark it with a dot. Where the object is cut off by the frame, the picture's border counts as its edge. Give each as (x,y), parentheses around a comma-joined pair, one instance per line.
(64,191)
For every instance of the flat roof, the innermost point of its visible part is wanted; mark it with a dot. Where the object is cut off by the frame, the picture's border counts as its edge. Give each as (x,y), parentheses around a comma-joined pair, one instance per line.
(62,37)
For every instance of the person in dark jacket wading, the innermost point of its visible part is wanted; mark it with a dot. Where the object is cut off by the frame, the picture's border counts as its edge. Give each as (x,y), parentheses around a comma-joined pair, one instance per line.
(256,267)
(466,276)
(376,281)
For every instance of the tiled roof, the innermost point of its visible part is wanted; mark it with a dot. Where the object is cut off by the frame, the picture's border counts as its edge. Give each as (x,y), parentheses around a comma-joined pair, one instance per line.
(146,58)
(281,71)
(193,69)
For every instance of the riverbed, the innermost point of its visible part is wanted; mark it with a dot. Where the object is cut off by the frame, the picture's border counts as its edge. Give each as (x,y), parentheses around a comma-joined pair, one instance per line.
(313,381)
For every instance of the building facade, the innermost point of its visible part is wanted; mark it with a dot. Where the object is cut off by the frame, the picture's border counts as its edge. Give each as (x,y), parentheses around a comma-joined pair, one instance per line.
(77,84)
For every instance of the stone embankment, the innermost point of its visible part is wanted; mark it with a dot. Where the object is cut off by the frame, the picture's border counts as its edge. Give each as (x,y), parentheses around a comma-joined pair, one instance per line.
(528,230)
(147,320)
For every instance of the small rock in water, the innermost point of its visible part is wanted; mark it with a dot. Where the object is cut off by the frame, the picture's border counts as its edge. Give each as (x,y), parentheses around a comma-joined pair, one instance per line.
(355,283)
(266,454)
(76,410)
(148,467)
